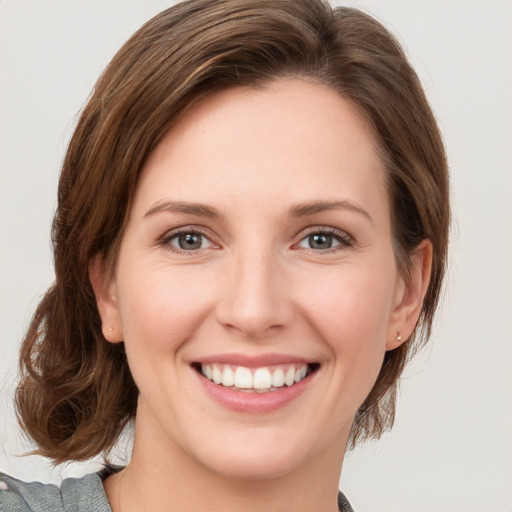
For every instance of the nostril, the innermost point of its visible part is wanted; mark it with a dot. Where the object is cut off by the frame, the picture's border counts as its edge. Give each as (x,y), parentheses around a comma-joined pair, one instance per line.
(255,302)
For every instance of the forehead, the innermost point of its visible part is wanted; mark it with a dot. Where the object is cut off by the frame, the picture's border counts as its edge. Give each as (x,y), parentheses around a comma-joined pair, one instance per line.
(288,141)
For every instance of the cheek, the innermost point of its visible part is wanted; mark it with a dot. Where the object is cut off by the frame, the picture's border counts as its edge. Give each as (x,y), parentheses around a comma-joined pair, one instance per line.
(349,310)
(346,301)
(160,309)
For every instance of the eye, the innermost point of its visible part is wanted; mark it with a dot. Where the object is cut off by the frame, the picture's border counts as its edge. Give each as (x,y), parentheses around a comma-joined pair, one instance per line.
(189,241)
(325,239)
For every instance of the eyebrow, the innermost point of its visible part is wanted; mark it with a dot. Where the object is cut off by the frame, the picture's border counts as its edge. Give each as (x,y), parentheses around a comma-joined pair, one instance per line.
(313,207)
(300,210)
(201,210)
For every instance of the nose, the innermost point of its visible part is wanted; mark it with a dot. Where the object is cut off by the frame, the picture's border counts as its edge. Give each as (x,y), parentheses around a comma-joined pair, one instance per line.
(256,300)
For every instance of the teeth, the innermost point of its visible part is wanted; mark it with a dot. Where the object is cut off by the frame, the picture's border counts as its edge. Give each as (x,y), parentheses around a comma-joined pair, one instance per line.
(289,376)
(260,380)
(216,375)
(228,377)
(278,378)
(243,378)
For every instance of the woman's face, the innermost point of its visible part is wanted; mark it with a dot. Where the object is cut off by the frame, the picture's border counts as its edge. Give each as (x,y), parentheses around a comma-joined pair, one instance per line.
(258,252)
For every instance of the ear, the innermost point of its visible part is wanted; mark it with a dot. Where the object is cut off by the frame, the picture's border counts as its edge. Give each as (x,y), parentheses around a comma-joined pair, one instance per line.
(104,288)
(409,295)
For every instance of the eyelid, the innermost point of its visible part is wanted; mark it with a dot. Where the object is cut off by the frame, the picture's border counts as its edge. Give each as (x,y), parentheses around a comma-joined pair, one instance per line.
(345,239)
(168,235)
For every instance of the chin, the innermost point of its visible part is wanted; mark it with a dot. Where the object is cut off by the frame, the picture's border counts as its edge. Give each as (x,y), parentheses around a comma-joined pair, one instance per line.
(254,465)
(258,453)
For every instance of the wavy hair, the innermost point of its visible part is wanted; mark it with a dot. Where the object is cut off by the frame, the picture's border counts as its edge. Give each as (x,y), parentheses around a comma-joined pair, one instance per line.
(76,392)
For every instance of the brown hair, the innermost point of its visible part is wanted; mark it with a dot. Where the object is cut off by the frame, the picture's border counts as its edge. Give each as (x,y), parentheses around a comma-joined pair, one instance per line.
(76,392)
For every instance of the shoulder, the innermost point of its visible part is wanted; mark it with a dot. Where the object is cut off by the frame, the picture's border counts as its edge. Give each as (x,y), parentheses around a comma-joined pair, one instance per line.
(74,495)
(18,496)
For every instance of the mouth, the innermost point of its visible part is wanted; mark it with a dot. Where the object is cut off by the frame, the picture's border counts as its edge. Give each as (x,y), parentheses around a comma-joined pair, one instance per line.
(263,379)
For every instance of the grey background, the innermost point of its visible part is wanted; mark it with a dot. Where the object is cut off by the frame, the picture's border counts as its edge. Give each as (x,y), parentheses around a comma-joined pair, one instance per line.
(451,448)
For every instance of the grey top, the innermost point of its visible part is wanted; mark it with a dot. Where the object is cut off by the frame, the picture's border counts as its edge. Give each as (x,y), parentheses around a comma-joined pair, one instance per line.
(84,494)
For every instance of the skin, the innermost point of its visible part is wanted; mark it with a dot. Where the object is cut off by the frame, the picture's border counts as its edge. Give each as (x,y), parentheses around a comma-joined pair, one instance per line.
(255,286)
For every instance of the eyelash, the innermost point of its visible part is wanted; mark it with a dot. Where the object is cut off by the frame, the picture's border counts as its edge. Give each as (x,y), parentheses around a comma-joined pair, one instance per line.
(186,230)
(344,239)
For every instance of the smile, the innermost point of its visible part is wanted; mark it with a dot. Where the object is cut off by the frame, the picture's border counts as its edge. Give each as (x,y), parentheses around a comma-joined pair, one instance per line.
(256,380)
(255,385)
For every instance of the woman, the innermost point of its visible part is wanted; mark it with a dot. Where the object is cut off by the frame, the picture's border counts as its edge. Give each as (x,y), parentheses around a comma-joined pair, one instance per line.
(249,245)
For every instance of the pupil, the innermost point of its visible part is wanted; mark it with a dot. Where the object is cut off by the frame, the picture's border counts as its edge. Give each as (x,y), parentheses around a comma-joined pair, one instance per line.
(320,241)
(189,241)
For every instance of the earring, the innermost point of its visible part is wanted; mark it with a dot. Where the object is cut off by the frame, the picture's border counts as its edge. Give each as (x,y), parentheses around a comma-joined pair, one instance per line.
(110,329)
(398,338)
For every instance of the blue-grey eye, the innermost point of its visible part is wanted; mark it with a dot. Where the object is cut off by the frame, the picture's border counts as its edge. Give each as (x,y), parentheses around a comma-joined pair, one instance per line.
(320,241)
(188,241)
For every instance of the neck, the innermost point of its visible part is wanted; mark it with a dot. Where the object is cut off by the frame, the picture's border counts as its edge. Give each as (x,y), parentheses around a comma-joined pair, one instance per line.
(161,478)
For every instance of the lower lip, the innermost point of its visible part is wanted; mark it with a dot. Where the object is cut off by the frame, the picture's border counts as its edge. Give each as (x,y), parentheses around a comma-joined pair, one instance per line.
(254,403)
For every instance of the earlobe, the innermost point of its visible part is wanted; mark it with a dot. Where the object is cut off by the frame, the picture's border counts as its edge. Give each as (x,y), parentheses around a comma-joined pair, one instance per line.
(411,294)
(104,289)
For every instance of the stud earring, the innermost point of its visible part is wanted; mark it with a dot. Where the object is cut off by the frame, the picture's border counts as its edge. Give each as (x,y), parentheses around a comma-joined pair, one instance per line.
(399,338)
(110,329)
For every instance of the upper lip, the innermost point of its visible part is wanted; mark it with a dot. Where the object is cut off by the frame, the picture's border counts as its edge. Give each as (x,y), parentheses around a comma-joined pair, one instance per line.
(253,361)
